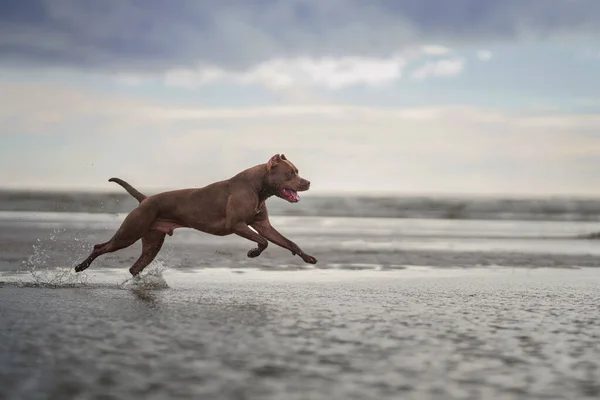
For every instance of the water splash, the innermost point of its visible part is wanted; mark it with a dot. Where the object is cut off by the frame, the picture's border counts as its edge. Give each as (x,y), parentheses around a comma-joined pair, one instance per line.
(45,267)
(150,279)
(55,278)
(45,270)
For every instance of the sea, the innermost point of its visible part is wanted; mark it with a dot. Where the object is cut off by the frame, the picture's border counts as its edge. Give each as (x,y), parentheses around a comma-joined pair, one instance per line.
(412,298)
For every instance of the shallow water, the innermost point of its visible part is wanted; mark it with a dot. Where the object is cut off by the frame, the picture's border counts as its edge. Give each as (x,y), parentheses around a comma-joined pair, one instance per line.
(394,309)
(60,240)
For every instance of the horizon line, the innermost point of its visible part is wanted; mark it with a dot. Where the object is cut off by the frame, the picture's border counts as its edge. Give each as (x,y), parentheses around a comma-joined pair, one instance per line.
(317,193)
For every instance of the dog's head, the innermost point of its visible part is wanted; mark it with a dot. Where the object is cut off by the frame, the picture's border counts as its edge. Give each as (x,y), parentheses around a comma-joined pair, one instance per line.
(283,179)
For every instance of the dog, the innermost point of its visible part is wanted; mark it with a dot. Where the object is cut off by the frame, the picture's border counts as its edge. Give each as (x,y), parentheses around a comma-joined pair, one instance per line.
(233,206)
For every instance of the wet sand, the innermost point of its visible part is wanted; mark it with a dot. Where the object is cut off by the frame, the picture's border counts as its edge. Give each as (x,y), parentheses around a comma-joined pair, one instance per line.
(411,309)
(418,333)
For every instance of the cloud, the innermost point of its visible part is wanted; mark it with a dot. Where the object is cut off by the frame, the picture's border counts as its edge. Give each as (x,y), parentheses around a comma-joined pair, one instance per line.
(329,72)
(435,50)
(439,69)
(41,109)
(485,55)
(292,73)
(154,35)
(92,136)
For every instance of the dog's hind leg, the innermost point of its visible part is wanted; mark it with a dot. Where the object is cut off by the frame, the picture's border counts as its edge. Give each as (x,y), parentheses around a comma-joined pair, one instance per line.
(151,244)
(98,251)
(134,227)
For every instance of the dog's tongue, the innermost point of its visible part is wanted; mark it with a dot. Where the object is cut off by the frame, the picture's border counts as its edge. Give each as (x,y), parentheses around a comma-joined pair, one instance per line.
(295,195)
(292,194)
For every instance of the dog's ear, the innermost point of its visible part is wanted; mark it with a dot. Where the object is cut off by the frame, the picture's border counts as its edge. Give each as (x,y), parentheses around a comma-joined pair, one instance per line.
(283,157)
(274,160)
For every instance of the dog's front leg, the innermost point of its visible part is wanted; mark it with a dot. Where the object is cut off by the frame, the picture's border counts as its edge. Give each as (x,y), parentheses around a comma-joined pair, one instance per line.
(267,231)
(244,231)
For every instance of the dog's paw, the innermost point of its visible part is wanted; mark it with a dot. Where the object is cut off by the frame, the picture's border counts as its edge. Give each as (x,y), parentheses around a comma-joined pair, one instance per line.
(80,267)
(309,259)
(254,253)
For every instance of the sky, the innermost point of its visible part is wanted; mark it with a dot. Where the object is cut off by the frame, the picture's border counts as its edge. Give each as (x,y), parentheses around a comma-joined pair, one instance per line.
(479,97)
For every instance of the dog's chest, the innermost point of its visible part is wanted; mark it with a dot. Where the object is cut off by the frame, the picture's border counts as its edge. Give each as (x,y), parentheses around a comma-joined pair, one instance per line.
(259,208)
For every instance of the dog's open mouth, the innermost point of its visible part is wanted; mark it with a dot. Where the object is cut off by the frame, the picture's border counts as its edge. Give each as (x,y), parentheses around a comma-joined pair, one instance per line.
(290,195)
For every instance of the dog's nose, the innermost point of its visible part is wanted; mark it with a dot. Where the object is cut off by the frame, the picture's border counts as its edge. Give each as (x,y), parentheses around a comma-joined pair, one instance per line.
(307,184)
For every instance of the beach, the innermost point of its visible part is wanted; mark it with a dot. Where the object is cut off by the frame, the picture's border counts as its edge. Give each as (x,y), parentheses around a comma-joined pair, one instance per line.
(433,166)
(395,308)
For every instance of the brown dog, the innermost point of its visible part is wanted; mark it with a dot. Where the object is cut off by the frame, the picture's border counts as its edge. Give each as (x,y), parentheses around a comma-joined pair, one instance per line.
(222,208)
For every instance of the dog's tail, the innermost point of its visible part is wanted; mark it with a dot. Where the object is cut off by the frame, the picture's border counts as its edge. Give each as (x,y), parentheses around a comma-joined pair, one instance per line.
(130,189)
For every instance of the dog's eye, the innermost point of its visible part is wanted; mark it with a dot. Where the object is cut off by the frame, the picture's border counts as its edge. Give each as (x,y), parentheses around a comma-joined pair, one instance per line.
(290,174)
